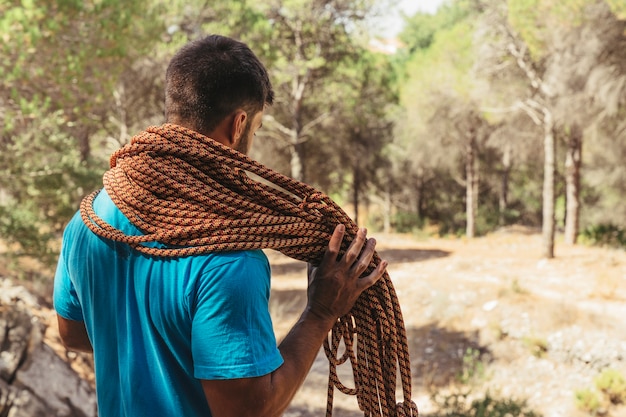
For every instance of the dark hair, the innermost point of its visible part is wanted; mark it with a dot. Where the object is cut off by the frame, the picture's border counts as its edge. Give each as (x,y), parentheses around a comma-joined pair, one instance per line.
(210,78)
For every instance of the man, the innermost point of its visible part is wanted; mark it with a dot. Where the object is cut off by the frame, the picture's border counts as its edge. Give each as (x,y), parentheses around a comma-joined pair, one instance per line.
(191,335)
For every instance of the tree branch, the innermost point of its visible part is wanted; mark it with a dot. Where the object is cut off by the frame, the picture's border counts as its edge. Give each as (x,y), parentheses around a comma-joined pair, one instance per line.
(531,107)
(310,125)
(519,51)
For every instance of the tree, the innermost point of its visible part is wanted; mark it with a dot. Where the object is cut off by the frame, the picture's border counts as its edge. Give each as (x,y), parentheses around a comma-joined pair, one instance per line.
(517,143)
(585,44)
(310,41)
(439,98)
(365,91)
(61,63)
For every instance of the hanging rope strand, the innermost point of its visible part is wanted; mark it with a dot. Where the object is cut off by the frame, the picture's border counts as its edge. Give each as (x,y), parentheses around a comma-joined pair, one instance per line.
(194,196)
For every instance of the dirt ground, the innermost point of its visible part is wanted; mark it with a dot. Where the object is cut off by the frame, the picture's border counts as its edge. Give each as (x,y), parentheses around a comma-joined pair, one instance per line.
(516,325)
(525,327)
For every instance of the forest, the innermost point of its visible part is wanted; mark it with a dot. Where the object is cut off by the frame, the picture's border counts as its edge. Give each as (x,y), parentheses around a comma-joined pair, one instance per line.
(490,113)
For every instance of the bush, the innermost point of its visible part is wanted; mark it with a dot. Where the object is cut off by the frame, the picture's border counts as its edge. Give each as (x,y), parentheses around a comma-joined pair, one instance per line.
(405,222)
(609,389)
(456,405)
(613,385)
(588,400)
(605,235)
(538,346)
(473,366)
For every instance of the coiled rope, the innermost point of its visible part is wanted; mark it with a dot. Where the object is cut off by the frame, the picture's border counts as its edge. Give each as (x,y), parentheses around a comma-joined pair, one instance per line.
(195,196)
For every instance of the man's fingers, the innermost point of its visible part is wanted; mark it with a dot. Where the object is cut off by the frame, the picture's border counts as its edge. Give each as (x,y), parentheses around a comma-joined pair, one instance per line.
(334,245)
(366,282)
(355,247)
(364,260)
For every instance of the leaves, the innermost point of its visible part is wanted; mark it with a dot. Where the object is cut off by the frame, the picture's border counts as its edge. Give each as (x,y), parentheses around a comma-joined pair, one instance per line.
(77,78)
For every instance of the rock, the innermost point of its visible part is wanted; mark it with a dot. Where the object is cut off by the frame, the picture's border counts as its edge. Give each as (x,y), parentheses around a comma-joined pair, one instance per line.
(15,334)
(20,403)
(35,381)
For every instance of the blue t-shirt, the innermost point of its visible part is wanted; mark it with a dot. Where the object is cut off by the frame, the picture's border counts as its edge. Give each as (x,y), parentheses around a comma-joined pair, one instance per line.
(159,325)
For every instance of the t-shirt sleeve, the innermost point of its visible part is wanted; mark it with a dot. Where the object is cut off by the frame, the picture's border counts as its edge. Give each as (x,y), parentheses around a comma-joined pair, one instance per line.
(65,298)
(232,333)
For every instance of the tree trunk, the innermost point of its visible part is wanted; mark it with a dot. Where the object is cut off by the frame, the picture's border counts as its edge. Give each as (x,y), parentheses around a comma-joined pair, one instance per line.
(503,200)
(297,158)
(419,191)
(549,169)
(297,147)
(82,135)
(387,210)
(471,186)
(356,185)
(573,161)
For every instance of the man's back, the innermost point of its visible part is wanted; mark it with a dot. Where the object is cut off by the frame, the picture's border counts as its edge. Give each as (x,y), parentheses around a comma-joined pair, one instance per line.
(158,325)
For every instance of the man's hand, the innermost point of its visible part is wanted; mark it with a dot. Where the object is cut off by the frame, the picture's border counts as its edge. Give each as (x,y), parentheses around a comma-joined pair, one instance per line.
(336,283)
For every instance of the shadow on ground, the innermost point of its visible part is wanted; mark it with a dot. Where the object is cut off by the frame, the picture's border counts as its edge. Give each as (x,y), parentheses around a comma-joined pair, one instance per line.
(439,356)
(411,255)
(391,255)
(437,352)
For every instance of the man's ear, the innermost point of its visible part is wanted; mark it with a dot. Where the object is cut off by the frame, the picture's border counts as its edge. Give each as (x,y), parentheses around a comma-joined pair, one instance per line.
(237,126)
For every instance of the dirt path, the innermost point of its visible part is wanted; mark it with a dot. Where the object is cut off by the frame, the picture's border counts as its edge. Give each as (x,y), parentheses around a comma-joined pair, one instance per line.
(537,329)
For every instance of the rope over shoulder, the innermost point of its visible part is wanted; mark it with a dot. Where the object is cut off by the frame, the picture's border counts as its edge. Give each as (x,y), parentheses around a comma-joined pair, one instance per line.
(194,195)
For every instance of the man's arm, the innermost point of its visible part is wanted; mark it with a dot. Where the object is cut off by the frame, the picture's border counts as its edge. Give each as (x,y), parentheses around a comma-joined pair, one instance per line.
(74,335)
(333,289)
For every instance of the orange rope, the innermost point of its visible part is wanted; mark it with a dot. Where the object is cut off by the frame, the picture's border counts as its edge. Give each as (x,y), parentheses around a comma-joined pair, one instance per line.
(194,195)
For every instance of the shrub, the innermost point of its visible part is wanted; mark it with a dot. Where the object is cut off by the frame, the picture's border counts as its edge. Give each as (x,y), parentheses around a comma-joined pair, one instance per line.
(605,235)
(613,385)
(405,222)
(588,400)
(473,366)
(456,405)
(538,346)
(609,389)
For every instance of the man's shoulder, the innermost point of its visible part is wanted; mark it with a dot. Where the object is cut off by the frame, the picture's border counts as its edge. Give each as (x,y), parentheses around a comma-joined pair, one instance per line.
(105,209)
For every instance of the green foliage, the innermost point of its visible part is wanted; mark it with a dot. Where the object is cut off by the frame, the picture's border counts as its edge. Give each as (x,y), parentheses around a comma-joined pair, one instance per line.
(518,289)
(67,41)
(406,222)
(524,16)
(443,67)
(357,144)
(609,390)
(459,405)
(487,217)
(538,346)
(605,235)
(535,19)
(331,93)
(589,401)
(612,384)
(473,367)
(618,7)
(434,90)
(70,73)
(43,171)
(62,62)
(20,224)
(421,28)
